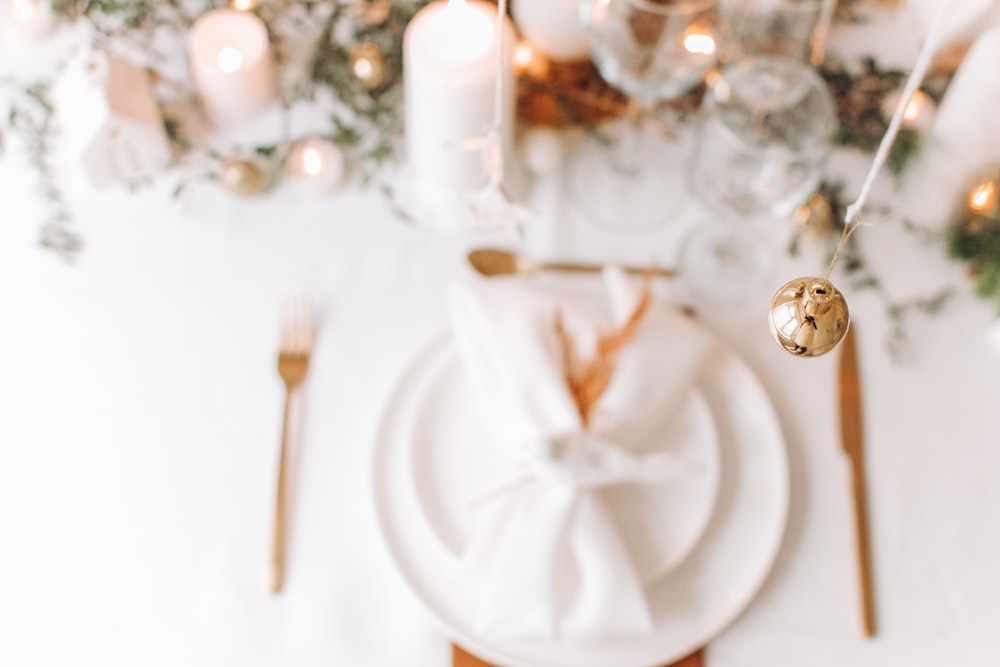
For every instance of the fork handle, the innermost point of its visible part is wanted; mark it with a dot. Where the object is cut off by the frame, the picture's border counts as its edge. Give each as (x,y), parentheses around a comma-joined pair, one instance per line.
(277,564)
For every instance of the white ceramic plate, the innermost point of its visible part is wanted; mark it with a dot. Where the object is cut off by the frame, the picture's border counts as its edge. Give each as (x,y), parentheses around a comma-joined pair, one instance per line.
(456,464)
(694,601)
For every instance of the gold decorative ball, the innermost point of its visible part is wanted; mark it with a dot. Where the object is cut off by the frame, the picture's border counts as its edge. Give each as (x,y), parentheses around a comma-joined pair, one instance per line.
(367,64)
(815,217)
(808,317)
(370,12)
(242,177)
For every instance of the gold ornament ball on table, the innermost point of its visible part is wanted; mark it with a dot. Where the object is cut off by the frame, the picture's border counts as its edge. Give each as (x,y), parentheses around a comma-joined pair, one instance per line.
(815,217)
(367,65)
(808,317)
(242,177)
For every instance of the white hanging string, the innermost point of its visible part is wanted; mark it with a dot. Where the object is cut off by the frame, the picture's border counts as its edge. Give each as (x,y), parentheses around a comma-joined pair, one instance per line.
(852,217)
(493,206)
(495,157)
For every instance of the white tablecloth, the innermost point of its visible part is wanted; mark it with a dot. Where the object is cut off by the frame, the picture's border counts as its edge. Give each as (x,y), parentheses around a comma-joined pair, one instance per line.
(140,419)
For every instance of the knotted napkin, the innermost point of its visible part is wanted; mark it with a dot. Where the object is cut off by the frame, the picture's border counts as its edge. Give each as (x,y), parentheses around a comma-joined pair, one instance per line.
(545,557)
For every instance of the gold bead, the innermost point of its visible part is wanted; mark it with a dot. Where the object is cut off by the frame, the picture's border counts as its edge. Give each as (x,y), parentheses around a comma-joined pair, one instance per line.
(367,65)
(808,317)
(242,177)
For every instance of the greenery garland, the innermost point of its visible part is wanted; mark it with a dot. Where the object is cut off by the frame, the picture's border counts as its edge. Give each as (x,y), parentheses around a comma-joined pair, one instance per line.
(364,118)
(29,117)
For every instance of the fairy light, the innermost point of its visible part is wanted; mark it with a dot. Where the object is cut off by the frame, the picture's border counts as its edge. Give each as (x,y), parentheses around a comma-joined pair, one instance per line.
(915,107)
(698,41)
(983,196)
(523,55)
(363,68)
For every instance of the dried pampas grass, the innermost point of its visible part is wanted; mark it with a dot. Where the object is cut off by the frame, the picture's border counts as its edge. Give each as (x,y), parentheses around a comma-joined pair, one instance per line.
(587,379)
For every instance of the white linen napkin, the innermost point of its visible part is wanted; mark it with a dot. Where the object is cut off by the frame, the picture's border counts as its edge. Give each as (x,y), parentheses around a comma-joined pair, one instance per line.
(545,556)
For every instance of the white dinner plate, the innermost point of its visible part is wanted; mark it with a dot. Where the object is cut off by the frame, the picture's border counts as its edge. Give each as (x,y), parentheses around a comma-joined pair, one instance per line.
(702,591)
(457,466)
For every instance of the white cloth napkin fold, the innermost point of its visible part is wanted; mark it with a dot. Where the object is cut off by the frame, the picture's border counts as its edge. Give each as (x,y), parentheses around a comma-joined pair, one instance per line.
(545,556)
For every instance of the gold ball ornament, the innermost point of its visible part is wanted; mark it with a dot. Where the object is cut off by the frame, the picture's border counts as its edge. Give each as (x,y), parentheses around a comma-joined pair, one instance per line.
(370,12)
(815,217)
(367,64)
(808,317)
(242,177)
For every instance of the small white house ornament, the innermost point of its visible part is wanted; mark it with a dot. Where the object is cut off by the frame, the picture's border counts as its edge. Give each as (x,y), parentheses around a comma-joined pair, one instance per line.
(110,120)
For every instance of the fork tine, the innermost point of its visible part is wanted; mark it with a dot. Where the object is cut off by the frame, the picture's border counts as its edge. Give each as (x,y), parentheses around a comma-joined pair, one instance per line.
(287,325)
(296,335)
(307,328)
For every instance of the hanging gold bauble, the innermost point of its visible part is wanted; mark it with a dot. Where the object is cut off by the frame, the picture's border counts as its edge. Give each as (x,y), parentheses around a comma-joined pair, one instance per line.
(808,316)
(367,64)
(242,177)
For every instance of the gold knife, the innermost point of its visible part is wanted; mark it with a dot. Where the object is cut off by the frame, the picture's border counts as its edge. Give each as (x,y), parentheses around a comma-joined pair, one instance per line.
(852,440)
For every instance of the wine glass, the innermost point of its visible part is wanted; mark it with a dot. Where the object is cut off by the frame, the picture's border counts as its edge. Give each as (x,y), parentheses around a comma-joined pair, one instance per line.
(779,28)
(761,150)
(653,51)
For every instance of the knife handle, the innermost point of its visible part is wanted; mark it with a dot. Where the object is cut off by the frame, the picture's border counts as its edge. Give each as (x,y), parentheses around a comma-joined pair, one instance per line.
(864,548)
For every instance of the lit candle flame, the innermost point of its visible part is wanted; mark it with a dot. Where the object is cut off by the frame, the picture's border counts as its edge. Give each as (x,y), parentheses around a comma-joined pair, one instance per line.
(23,11)
(696,41)
(983,196)
(312,161)
(914,107)
(229,59)
(244,5)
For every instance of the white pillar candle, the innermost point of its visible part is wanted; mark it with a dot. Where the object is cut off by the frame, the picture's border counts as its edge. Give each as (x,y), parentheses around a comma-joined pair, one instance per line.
(449,75)
(552,27)
(31,19)
(231,64)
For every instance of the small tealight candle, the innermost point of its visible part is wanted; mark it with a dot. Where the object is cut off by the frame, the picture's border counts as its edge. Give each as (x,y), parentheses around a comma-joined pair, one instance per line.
(32,18)
(449,90)
(318,165)
(231,64)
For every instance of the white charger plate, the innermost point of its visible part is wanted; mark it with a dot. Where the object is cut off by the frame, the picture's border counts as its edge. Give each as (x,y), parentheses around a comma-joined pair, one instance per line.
(693,602)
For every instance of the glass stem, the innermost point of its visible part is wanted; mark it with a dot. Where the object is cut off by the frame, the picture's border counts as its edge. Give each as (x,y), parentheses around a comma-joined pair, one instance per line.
(627,153)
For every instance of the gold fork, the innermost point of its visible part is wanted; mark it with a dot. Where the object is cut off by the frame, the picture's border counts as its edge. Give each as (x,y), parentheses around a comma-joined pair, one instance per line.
(295,347)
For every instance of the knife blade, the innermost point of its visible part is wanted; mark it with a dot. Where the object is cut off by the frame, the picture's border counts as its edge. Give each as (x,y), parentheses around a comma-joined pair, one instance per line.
(852,441)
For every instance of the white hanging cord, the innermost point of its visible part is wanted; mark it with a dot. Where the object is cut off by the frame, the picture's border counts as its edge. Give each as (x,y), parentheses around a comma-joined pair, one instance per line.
(852,218)
(494,144)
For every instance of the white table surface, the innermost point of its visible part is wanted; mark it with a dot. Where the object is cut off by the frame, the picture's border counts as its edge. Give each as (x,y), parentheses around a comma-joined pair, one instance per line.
(140,417)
